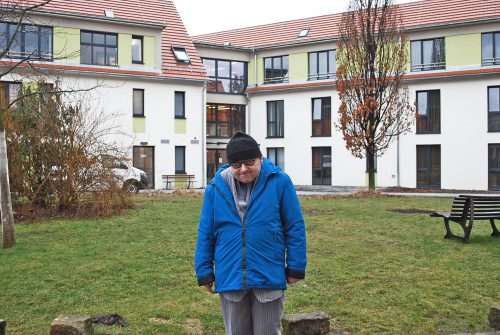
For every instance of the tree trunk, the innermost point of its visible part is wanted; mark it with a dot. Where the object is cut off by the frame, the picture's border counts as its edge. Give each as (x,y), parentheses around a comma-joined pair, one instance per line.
(8,230)
(371,169)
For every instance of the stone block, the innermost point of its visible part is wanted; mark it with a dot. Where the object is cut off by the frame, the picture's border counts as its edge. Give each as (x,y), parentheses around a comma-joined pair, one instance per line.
(317,323)
(69,324)
(3,327)
(494,317)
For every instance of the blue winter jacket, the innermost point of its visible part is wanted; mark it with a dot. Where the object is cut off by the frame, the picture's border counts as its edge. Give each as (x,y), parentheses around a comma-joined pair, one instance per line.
(258,251)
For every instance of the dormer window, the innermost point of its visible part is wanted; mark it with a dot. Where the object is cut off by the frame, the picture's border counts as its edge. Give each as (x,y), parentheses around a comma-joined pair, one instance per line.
(109,13)
(180,54)
(303,33)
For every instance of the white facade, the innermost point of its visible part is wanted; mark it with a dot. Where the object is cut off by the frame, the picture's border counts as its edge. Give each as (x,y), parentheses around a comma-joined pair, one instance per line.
(463,137)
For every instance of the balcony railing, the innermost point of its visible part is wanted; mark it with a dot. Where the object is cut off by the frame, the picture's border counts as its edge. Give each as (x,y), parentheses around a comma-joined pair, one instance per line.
(276,80)
(428,66)
(321,76)
(491,61)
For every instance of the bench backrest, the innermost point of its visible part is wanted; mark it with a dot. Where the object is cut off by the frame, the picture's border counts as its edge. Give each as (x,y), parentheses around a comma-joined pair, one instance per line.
(485,207)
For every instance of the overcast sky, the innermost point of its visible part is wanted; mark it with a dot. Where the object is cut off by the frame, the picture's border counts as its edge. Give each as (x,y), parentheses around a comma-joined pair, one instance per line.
(208,16)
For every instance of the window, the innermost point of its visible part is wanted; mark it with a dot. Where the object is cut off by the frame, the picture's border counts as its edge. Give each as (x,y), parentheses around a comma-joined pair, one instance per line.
(322,65)
(303,32)
(138,102)
(494,108)
(277,156)
(322,166)
(490,49)
(180,54)
(275,119)
(321,117)
(109,13)
(30,41)
(428,112)
(137,55)
(9,93)
(180,160)
(226,76)
(180,112)
(98,48)
(427,55)
(429,166)
(276,70)
(225,120)
(494,166)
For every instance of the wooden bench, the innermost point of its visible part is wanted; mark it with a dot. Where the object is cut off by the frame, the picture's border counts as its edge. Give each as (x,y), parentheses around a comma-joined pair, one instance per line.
(186,180)
(468,208)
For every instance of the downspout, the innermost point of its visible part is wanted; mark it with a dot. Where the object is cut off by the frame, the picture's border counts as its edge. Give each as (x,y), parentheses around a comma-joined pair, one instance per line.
(398,177)
(255,66)
(397,166)
(249,103)
(203,136)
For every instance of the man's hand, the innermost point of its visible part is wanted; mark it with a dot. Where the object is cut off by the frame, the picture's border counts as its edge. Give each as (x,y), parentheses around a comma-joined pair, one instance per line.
(209,287)
(292,280)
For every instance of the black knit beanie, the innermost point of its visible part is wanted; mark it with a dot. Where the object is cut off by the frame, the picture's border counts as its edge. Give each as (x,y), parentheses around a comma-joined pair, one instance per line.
(242,147)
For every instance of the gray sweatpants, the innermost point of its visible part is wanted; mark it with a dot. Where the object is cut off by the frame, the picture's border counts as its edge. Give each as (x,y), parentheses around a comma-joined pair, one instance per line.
(253,312)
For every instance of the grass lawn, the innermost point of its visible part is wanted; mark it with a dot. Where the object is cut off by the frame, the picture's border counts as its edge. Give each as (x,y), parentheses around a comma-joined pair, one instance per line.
(374,271)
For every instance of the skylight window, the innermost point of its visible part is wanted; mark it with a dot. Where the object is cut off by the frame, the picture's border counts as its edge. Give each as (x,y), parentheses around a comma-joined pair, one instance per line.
(303,32)
(180,54)
(109,13)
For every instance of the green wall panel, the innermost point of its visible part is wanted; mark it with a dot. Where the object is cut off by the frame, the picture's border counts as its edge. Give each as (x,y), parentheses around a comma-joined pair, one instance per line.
(251,73)
(463,49)
(408,50)
(124,49)
(67,43)
(299,67)
(180,126)
(260,72)
(149,51)
(139,125)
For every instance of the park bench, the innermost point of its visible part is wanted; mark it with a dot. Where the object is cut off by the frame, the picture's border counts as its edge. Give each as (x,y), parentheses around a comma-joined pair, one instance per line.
(178,181)
(468,208)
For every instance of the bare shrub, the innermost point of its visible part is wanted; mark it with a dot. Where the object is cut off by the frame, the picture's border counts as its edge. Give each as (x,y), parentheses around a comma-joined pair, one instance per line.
(56,152)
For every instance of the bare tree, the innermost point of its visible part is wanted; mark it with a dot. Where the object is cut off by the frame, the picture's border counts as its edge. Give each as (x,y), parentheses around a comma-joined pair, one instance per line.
(16,13)
(372,56)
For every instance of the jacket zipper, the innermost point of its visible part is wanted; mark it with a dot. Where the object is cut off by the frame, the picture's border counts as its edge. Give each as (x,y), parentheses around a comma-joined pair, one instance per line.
(243,230)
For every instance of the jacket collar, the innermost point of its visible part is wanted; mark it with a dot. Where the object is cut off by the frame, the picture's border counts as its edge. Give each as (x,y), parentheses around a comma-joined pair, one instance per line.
(266,170)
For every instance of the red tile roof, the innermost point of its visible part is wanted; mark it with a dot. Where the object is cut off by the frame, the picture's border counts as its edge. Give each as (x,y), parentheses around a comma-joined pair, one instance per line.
(153,11)
(415,15)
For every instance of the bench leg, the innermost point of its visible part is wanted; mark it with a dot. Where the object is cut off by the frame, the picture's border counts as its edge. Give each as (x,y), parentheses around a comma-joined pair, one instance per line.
(450,235)
(495,233)
(467,230)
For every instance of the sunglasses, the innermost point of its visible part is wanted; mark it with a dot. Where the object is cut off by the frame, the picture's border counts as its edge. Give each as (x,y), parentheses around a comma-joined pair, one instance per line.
(248,162)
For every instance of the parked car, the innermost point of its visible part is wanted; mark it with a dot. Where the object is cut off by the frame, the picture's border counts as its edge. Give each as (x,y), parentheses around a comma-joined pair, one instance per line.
(130,178)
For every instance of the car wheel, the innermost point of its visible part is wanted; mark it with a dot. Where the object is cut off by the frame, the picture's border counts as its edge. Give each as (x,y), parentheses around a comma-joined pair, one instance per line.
(131,187)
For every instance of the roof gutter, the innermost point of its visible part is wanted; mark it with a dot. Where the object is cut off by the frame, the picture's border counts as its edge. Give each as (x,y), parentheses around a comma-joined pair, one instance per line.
(142,24)
(220,46)
(94,73)
(454,24)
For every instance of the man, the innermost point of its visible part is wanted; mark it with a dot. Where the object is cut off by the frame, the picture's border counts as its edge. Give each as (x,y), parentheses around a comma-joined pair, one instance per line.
(252,230)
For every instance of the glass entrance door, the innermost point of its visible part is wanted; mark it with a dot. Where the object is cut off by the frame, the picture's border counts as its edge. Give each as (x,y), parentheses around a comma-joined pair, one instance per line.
(215,159)
(144,159)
